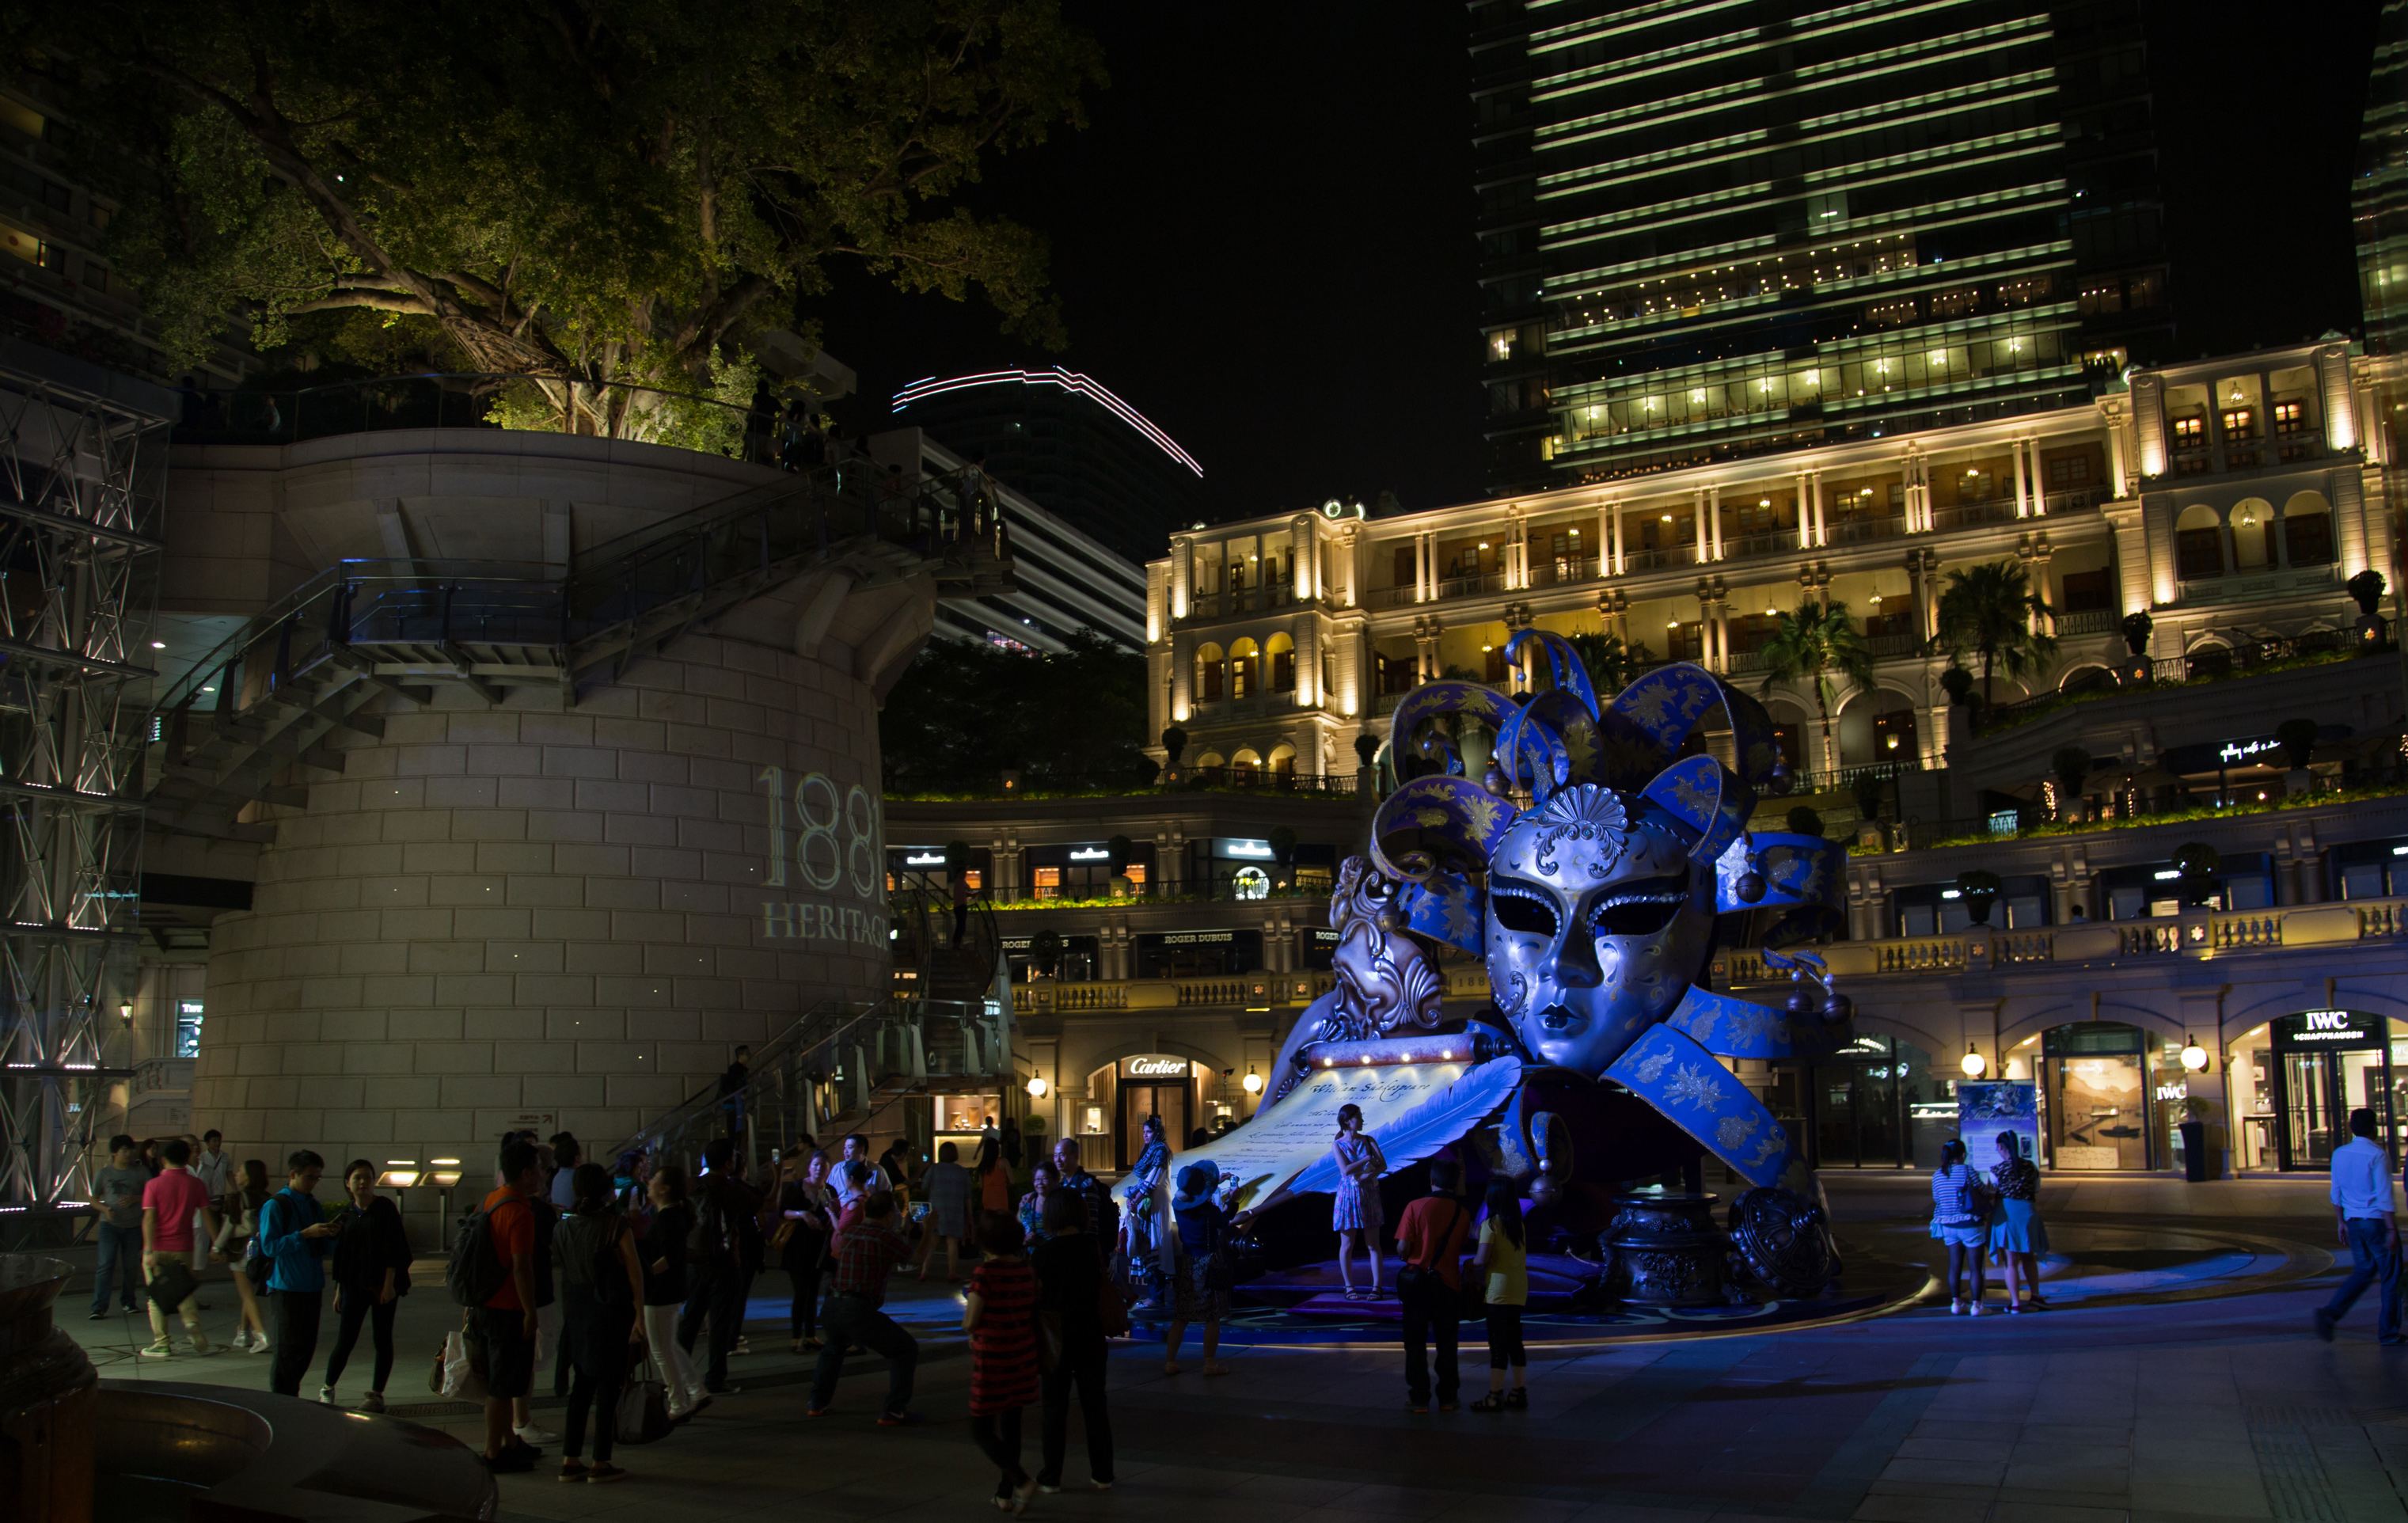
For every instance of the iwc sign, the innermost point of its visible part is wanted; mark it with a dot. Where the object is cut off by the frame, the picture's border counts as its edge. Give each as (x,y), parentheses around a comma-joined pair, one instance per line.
(1153,1066)
(2329,1029)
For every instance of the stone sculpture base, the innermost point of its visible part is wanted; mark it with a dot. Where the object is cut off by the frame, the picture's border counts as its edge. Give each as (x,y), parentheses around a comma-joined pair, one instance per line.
(49,1396)
(1663,1251)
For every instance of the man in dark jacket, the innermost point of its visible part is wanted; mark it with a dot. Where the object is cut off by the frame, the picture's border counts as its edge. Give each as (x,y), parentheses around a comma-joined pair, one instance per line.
(726,1238)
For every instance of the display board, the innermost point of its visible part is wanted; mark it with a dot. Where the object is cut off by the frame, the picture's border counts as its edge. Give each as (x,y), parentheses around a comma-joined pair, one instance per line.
(1411,1110)
(2007,1105)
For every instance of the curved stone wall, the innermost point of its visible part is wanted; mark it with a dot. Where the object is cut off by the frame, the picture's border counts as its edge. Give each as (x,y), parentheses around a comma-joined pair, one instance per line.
(556,915)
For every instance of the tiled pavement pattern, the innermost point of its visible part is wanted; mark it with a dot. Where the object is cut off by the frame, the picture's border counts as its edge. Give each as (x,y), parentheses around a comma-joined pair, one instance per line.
(2198,1412)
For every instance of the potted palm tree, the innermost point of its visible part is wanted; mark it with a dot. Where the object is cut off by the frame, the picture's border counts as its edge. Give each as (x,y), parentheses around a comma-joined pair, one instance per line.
(1990,611)
(1366,751)
(1812,646)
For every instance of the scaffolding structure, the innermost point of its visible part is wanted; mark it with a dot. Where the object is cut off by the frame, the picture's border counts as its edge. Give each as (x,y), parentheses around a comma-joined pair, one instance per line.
(82,466)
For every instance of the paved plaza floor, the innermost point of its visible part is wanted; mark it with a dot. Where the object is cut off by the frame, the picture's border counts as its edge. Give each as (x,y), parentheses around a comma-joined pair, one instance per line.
(2177,1380)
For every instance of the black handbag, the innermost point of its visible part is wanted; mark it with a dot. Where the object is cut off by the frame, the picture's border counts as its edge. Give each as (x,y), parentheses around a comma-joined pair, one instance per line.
(171,1285)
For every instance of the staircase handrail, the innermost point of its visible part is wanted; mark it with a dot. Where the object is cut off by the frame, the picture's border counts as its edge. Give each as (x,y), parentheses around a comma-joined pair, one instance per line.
(844,1013)
(596,578)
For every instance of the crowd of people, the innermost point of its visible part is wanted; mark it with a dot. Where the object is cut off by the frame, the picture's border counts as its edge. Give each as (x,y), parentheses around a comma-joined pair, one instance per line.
(637,1272)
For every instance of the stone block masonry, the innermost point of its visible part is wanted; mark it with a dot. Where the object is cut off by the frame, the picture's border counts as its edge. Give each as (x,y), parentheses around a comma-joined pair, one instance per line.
(532,914)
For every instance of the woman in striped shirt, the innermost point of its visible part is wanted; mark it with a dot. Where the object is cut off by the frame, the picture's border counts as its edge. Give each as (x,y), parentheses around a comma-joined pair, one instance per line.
(1000,1318)
(1957,1220)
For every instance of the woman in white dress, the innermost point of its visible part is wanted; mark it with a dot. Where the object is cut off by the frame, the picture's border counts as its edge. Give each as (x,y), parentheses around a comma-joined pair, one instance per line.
(1356,1213)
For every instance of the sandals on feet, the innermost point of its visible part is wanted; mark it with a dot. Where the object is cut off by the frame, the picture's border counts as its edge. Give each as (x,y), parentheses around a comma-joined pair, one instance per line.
(1493,1401)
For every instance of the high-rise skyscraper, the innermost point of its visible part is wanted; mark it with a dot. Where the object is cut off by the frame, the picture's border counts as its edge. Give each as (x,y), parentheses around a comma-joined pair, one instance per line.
(1714,230)
(2379,193)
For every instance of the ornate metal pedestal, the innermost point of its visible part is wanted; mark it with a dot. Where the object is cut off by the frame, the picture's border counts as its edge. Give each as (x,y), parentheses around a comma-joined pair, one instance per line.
(1664,1250)
(49,1397)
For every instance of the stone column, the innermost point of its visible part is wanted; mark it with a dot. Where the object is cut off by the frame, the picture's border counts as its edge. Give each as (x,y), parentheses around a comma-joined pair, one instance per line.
(1805,513)
(1614,516)
(2334,397)
(1697,518)
(1183,571)
(2022,506)
(1714,512)
(2149,421)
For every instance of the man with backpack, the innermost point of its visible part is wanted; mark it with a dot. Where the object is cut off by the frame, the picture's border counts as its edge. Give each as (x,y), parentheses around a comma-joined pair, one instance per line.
(494,1274)
(1429,1239)
(293,1233)
(725,1239)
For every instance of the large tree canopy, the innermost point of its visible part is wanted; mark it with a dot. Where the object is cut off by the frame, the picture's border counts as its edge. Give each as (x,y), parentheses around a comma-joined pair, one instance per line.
(602,190)
(966,710)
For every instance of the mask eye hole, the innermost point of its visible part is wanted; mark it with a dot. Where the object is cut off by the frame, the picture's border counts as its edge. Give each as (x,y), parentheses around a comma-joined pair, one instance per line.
(1525,913)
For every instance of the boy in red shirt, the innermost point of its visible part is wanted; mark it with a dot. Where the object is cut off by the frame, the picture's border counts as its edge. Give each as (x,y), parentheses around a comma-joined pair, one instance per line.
(507,1321)
(169,1203)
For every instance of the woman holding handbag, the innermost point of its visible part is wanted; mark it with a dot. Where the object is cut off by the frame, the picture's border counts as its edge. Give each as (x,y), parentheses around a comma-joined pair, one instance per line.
(1505,1258)
(999,1315)
(371,1274)
(601,1285)
(1356,1213)
(1200,1287)
(1959,1217)
(800,1241)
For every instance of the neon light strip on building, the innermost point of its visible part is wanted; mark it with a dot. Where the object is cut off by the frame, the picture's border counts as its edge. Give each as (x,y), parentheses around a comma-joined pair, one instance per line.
(1069,380)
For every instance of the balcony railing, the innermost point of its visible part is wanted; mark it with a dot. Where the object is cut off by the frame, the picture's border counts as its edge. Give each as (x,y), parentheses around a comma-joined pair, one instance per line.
(2207,664)
(2196,933)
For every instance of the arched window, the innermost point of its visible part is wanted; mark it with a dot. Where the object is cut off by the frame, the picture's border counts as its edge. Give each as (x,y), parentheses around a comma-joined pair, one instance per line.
(1245,671)
(2253,534)
(1282,763)
(1245,766)
(2307,530)
(1208,674)
(1282,650)
(2198,542)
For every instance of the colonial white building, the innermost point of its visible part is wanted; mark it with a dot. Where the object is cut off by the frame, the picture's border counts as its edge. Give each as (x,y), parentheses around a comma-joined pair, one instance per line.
(2230,500)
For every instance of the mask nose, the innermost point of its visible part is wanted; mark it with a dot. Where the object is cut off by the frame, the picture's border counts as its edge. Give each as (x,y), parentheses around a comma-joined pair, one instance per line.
(1576,962)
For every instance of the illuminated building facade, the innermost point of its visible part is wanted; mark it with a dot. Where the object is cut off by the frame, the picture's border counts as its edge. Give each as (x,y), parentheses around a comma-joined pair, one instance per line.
(1707,233)
(2229,498)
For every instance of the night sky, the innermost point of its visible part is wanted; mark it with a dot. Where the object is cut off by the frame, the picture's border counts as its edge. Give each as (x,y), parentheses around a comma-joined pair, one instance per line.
(1263,238)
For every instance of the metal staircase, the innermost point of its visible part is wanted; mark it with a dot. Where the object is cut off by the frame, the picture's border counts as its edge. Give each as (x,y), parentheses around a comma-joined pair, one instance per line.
(837,1070)
(251,723)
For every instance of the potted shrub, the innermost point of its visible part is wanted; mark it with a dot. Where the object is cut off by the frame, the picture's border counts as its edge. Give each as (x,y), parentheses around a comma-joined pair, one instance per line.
(1805,821)
(1956,682)
(2072,765)
(1174,745)
(1867,787)
(1045,952)
(1283,845)
(2197,862)
(2194,1136)
(2135,629)
(1117,852)
(1367,751)
(2297,739)
(2367,588)
(1978,888)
